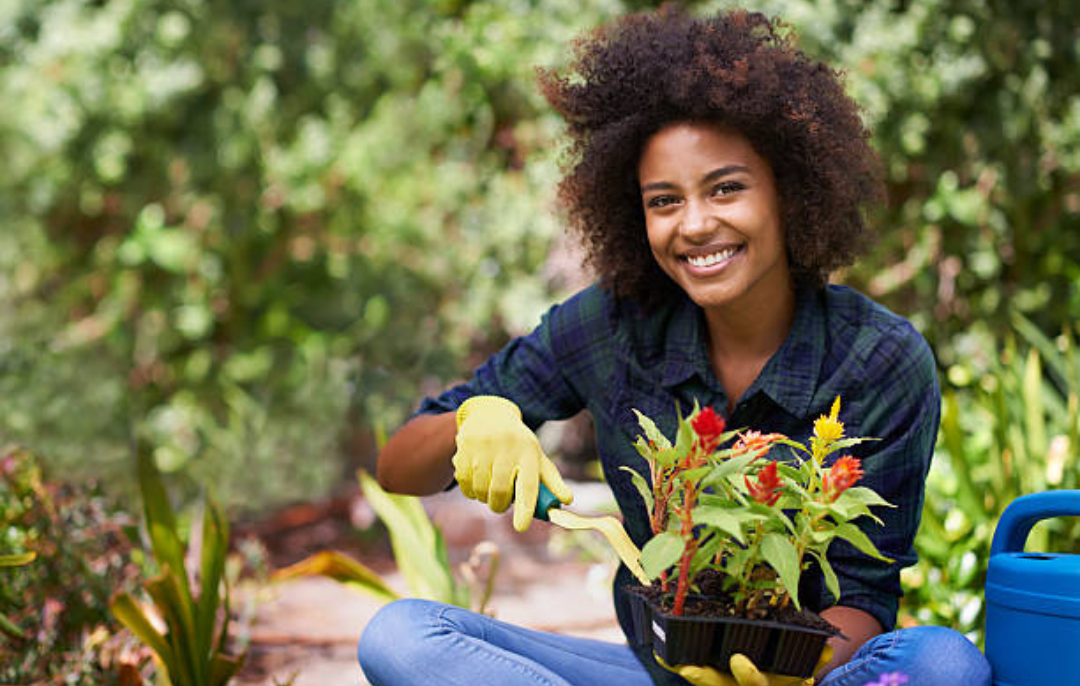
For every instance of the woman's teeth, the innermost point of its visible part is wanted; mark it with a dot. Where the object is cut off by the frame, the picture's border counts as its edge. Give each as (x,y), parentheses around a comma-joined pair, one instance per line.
(710,260)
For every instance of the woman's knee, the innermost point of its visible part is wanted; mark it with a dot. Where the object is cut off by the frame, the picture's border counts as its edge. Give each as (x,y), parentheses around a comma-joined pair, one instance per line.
(945,656)
(395,629)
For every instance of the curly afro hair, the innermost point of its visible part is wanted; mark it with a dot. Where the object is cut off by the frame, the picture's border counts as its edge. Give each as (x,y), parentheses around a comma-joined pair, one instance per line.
(630,78)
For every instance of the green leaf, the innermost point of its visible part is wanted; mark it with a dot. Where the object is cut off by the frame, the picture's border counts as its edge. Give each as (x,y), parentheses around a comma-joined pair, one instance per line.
(707,549)
(160,520)
(642,487)
(1034,415)
(782,556)
(865,496)
(855,536)
(661,552)
(726,468)
(789,473)
(694,475)
(770,514)
(224,667)
(847,443)
(17,559)
(727,520)
(179,614)
(215,546)
(652,433)
(8,627)
(793,444)
(1049,352)
(644,450)
(827,571)
(128,612)
(684,438)
(413,539)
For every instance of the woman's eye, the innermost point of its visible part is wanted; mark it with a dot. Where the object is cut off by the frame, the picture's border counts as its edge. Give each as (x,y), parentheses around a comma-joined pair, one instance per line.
(661,201)
(727,188)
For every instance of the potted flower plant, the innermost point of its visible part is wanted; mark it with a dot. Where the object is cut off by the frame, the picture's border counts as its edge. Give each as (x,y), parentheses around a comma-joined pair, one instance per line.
(733,529)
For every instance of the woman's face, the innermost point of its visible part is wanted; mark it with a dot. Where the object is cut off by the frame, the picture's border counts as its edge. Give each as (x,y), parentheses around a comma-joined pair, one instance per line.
(713,217)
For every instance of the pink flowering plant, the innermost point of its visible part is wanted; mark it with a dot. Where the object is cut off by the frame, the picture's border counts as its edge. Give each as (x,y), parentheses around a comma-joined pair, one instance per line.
(755,518)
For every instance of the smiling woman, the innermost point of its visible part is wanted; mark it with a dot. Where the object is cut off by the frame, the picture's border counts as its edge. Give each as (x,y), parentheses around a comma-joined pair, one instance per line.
(712,218)
(717,175)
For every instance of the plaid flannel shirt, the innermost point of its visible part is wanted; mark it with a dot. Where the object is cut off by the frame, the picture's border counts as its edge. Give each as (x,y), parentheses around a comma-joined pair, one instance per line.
(610,356)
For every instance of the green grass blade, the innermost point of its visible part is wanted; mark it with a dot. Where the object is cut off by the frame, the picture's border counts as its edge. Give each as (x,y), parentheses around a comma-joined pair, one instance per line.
(1057,361)
(215,543)
(1034,421)
(963,461)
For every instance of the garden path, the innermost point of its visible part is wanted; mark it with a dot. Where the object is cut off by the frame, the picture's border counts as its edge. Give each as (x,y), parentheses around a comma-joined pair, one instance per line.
(305,632)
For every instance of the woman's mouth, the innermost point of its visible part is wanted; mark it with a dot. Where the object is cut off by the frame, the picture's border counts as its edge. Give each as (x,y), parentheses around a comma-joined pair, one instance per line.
(711,262)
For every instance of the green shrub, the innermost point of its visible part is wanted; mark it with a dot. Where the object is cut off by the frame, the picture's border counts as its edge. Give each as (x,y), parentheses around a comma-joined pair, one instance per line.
(1010,427)
(58,604)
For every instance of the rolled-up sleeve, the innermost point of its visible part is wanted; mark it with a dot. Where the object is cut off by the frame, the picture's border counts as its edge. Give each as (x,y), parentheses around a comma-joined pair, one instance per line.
(549,373)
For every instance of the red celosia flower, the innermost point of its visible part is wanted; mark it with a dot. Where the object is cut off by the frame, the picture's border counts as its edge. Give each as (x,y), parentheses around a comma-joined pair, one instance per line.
(708,426)
(844,473)
(766,489)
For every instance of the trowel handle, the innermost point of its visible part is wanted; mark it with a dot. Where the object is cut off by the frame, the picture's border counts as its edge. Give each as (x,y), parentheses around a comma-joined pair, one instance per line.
(1024,512)
(544,502)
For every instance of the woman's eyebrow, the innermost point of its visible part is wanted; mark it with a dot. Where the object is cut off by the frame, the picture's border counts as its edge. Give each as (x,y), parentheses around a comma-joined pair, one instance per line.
(658,186)
(711,176)
(724,171)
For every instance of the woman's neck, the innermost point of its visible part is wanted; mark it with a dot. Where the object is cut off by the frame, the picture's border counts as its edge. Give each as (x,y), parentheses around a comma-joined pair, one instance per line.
(741,339)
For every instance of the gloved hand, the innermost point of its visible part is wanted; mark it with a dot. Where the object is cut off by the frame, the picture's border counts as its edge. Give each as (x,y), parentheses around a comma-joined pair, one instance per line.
(498,459)
(743,673)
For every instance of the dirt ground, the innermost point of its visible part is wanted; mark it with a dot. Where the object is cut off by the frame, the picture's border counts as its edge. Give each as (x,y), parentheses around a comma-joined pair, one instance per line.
(305,632)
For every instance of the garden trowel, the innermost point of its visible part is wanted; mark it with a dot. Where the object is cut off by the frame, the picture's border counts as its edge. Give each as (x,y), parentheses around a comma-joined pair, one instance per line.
(550,509)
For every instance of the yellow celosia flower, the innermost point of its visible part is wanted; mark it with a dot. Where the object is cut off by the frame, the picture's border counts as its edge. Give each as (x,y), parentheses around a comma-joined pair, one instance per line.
(828,428)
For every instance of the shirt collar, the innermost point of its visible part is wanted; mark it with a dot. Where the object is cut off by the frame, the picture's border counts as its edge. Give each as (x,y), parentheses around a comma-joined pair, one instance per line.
(790,375)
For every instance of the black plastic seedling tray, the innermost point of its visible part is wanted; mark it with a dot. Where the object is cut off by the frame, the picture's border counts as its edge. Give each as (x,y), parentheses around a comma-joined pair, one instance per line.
(773,647)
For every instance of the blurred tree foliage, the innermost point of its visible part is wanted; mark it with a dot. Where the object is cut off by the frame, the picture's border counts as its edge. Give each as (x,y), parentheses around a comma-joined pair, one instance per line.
(258,229)
(975,108)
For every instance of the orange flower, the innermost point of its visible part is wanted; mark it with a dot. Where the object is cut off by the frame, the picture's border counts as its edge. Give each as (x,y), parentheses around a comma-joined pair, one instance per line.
(752,441)
(708,426)
(766,489)
(844,473)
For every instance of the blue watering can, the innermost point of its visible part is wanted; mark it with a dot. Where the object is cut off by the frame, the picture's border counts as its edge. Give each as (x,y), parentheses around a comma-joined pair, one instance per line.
(1033,599)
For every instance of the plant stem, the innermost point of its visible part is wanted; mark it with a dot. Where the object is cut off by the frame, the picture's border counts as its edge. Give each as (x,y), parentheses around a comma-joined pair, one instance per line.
(690,545)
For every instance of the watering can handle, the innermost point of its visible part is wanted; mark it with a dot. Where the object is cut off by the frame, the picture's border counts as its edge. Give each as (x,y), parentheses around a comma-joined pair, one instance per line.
(1024,512)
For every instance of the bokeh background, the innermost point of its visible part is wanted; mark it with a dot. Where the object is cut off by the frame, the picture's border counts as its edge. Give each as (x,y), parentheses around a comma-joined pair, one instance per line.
(252,235)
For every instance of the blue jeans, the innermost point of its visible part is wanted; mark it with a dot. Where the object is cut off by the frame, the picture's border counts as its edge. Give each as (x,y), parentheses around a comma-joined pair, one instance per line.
(412,642)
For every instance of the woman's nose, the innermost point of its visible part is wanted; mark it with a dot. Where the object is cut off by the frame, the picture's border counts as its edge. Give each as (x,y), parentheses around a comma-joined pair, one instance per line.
(696,220)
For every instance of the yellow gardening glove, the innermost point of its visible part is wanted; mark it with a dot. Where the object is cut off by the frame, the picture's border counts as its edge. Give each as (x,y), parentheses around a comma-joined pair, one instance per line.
(499,459)
(743,673)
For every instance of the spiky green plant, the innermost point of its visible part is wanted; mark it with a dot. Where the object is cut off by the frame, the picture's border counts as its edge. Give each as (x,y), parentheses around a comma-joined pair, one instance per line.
(191,650)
